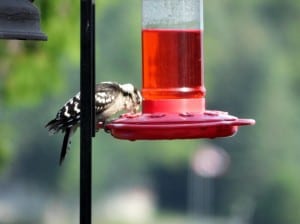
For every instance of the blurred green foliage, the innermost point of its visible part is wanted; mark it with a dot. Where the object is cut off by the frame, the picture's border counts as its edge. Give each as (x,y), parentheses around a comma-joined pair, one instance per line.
(252,50)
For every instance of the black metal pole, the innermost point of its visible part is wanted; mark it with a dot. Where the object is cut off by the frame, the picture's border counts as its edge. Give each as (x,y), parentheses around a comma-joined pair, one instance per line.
(93,42)
(87,88)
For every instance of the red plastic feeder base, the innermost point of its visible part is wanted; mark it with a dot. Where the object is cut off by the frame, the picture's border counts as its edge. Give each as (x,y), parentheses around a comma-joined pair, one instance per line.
(158,126)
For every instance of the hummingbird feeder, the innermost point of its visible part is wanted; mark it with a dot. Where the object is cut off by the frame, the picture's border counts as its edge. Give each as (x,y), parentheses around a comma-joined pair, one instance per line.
(173,78)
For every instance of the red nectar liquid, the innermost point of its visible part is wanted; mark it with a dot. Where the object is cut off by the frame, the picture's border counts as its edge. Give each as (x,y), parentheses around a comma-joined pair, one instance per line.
(172,64)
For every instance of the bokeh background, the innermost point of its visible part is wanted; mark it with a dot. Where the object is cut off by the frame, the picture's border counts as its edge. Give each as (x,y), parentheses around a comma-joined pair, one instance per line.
(252,70)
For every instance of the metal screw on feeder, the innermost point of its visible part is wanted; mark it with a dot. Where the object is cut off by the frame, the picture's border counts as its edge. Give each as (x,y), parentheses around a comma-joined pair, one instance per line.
(20,19)
(173,78)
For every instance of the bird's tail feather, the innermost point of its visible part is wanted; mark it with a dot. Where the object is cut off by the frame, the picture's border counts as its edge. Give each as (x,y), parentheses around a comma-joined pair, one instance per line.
(65,145)
(53,126)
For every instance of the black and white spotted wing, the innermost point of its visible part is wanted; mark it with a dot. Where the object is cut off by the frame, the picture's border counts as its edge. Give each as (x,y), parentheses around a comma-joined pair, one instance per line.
(67,116)
(106,93)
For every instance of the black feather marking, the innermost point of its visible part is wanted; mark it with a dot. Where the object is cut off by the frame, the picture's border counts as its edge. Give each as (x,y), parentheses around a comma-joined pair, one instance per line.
(65,144)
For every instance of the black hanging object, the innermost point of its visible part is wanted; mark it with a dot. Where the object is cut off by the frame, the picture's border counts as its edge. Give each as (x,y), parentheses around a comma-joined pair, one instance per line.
(20,19)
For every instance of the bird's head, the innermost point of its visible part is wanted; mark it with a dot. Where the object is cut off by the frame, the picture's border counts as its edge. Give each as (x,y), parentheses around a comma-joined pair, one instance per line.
(134,95)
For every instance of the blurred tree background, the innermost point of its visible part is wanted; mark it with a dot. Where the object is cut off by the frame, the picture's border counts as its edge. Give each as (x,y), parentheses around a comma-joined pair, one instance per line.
(251,70)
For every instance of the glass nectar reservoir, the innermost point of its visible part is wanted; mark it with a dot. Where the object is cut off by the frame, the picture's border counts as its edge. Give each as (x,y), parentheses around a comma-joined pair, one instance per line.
(172,56)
